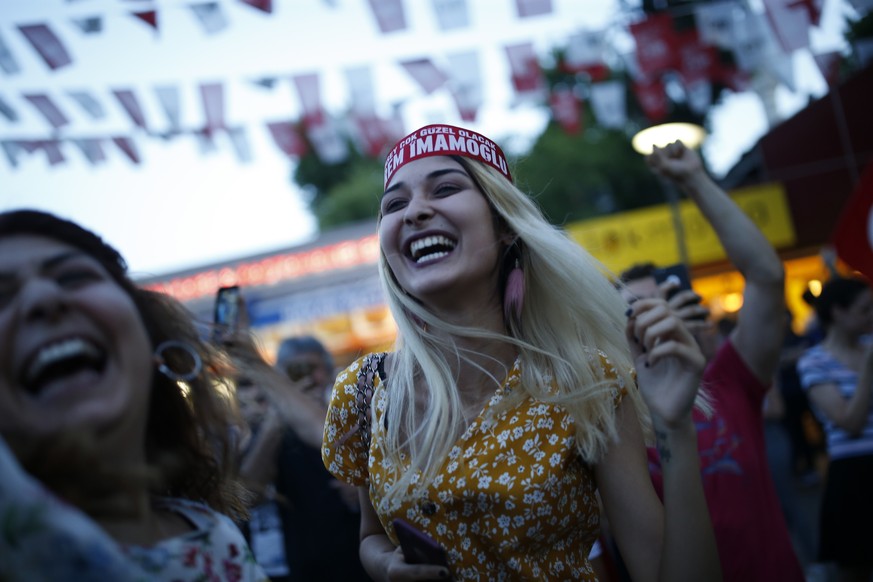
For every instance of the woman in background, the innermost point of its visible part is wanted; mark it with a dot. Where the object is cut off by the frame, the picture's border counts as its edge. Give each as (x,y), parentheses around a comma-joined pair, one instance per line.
(838,375)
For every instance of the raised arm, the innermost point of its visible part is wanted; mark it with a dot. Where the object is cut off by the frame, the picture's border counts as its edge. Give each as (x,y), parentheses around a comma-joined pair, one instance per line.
(675,541)
(759,332)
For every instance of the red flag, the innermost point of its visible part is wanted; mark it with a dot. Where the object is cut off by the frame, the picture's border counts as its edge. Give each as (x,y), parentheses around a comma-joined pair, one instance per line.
(652,98)
(696,60)
(853,237)
(150,17)
(130,104)
(287,138)
(527,77)
(262,5)
(656,44)
(49,46)
(566,109)
(584,54)
(48,109)
(527,8)
(389,14)
(372,133)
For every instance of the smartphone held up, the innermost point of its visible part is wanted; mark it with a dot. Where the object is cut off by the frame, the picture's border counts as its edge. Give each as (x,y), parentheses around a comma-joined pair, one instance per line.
(227,311)
(678,275)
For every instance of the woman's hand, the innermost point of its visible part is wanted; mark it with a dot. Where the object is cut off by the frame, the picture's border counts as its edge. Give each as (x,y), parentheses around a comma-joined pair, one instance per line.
(669,363)
(400,571)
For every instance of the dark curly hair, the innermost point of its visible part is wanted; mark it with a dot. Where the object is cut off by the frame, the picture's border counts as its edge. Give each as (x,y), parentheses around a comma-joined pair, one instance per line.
(188,438)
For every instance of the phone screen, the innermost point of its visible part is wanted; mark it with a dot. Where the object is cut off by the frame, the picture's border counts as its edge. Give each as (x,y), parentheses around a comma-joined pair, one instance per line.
(227,307)
(678,273)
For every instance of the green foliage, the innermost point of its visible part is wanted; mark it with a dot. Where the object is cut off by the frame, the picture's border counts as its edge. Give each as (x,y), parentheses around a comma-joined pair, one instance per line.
(574,177)
(318,178)
(355,198)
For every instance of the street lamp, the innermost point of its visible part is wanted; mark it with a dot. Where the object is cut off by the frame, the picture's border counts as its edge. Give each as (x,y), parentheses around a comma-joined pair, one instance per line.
(691,134)
(644,142)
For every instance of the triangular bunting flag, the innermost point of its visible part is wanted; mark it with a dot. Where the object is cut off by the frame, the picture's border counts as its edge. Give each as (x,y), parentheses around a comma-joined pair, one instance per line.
(389,15)
(609,103)
(213,105)
(168,96)
(130,104)
(362,96)
(585,54)
(51,147)
(451,14)
(566,109)
(48,109)
(829,65)
(128,147)
(466,83)
(528,8)
(88,104)
(429,77)
(240,142)
(92,149)
(49,46)
(89,25)
(327,141)
(287,138)
(262,5)
(789,22)
(210,16)
(12,149)
(6,111)
(7,61)
(656,44)
(717,22)
(652,99)
(150,17)
(527,76)
(309,91)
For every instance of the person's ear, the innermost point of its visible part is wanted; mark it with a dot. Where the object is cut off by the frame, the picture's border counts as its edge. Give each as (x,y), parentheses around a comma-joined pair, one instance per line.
(508,238)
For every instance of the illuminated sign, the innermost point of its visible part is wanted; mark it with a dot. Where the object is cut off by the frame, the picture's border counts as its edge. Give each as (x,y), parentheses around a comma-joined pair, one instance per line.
(274,269)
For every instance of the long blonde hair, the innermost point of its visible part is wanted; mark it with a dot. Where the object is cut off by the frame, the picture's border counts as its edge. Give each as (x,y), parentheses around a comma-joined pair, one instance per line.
(572,319)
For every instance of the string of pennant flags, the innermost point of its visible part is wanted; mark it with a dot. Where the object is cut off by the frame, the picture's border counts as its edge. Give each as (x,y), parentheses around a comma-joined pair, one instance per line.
(757,44)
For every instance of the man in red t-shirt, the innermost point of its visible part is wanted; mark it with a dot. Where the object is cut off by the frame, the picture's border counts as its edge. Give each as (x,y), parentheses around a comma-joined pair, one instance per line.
(753,539)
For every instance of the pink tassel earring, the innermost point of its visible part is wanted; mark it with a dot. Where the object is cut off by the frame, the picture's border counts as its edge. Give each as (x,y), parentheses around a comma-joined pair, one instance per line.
(513,296)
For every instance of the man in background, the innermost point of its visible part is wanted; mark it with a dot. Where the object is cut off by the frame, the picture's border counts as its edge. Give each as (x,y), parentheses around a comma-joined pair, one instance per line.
(753,540)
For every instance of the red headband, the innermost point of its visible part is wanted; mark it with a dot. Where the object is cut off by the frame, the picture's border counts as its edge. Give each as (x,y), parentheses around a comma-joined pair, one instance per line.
(445,140)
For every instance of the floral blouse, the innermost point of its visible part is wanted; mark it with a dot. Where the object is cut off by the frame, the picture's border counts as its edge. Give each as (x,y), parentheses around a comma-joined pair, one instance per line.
(513,500)
(215,551)
(43,538)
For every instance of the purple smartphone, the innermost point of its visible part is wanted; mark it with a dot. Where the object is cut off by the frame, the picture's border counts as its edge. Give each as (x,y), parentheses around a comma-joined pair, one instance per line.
(417,546)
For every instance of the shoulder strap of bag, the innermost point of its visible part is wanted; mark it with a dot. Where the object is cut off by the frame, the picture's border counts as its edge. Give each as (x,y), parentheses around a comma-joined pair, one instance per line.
(364,393)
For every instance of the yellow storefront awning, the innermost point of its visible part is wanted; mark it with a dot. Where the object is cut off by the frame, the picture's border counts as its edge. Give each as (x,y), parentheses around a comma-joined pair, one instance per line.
(647,235)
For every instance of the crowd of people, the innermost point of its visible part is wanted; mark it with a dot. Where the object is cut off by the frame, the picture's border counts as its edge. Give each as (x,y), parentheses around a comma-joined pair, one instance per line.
(538,418)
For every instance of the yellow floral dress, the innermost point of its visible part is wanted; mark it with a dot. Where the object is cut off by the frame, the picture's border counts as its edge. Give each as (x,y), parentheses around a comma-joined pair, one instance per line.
(513,500)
